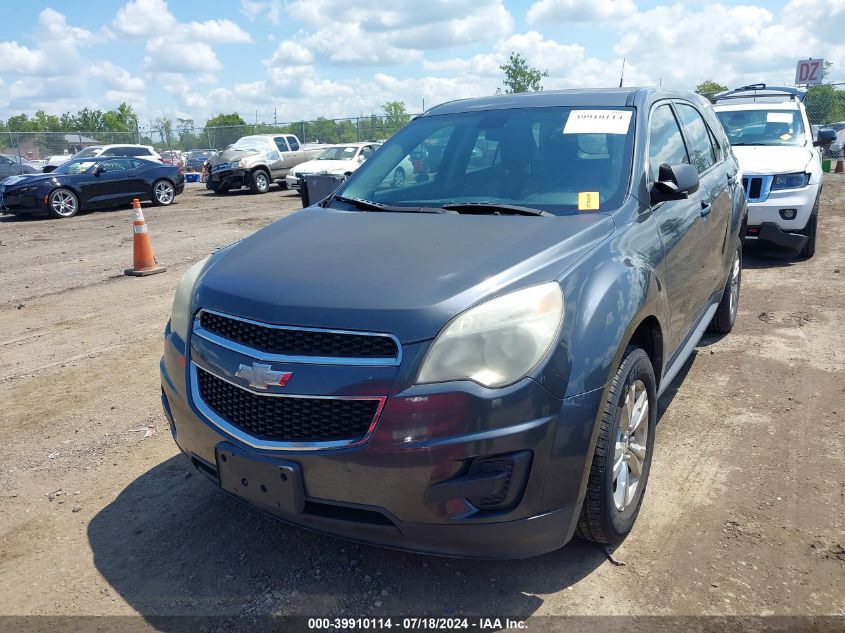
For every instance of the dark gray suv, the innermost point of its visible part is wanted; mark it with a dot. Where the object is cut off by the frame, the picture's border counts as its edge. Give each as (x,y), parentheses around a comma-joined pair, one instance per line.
(467,363)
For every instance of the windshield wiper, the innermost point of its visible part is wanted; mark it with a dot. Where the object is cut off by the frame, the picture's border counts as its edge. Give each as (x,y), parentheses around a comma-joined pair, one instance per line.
(369,205)
(494,208)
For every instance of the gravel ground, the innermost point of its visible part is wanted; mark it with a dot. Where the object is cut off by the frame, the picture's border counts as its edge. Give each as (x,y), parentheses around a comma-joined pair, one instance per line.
(100,515)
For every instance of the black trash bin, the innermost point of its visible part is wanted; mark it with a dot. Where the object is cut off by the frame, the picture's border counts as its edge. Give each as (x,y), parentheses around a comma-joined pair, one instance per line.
(317,187)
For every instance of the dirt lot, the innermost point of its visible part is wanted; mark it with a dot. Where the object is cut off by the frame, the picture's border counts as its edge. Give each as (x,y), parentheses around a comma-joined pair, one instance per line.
(745,512)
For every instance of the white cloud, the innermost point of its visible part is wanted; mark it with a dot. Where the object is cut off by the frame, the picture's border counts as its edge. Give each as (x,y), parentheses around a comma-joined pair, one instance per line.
(270,11)
(291,52)
(372,32)
(57,52)
(578,10)
(173,46)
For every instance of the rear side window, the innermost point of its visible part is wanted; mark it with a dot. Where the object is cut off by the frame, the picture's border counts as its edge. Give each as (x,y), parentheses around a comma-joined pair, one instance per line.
(294,144)
(665,142)
(281,143)
(700,148)
(127,151)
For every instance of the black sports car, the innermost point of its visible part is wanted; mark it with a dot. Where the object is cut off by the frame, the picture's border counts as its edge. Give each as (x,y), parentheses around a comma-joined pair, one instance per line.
(89,183)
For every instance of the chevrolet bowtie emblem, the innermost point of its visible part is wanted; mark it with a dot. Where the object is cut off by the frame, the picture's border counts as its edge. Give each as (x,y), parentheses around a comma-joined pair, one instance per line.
(261,376)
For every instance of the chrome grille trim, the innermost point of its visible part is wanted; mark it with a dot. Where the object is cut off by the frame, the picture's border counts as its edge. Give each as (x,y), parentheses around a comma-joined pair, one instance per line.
(257,354)
(247,439)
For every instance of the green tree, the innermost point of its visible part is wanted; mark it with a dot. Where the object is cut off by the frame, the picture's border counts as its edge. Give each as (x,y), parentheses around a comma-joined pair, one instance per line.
(709,88)
(164,127)
(224,129)
(520,77)
(825,104)
(223,120)
(395,117)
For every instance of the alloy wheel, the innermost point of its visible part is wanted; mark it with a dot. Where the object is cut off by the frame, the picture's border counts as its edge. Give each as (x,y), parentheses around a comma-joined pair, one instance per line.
(63,203)
(164,192)
(631,446)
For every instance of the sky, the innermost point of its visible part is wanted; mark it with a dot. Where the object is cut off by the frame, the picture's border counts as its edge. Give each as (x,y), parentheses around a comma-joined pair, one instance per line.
(300,59)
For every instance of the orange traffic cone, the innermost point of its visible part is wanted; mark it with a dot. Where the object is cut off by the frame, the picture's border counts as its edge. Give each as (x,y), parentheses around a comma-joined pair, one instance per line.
(144,260)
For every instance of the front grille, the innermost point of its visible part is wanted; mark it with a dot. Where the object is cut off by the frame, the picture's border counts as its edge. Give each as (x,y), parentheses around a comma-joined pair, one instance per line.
(753,187)
(286,418)
(293,342)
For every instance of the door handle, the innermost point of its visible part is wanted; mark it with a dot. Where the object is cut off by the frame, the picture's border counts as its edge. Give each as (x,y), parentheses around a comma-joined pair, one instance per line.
(705,209)
(731,179)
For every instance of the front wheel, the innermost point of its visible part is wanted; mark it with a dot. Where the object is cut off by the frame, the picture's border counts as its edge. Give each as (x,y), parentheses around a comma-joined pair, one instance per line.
(260,182)
(398,177)
(622,457)
(163,193)
(810,231)
(62,203)
(725,317)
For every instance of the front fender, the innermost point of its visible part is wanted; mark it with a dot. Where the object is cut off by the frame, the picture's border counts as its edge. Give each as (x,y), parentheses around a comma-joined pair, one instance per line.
(608,304)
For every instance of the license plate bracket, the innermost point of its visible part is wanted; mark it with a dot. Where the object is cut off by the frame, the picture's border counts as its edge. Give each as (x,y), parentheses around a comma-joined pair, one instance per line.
(263,481)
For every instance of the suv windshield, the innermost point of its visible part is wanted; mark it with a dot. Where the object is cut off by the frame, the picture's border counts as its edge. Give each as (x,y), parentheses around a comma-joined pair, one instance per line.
(541,158)
(763,127)
(338,153)
(88,151)
(253,143)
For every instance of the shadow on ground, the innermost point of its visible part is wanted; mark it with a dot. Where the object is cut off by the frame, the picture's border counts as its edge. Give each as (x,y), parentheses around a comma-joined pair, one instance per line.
(173,544)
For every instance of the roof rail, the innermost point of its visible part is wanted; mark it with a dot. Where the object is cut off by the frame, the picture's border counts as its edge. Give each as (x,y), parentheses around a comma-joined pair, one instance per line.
(762,91)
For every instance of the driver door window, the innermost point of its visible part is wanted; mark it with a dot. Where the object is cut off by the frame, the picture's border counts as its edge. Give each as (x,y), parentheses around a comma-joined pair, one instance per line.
(665,142)
(282,144)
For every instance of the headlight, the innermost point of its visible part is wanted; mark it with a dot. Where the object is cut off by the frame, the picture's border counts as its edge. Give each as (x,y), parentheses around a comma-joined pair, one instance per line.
(235,164)
(180,316)
(790,181)
(497,342)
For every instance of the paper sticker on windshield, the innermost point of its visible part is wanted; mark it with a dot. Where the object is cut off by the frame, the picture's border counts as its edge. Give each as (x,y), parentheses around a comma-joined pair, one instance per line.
(778,117)
(785,137)
(598,122)
(588,200)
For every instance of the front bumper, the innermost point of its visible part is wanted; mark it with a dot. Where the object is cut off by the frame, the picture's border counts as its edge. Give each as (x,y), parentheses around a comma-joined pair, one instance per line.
(802,200)
(14,202)
(380,492)
(232,178)
(292,182)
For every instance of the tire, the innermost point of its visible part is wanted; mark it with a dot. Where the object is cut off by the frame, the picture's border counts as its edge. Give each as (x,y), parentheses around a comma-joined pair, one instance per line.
(398,177)
(62,203)
(725,317)
(260,181)
(164,193)
(810,231)
(611,506)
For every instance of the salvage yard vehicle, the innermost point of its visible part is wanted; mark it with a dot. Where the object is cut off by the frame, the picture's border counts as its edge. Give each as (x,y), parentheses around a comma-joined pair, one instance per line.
(11,165)
(781,163)
(147,152)
(339,160)
(82,184)
(256,161)
(468,364)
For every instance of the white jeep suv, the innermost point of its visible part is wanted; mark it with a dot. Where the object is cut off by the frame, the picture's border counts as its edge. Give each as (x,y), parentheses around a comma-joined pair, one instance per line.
(781,165)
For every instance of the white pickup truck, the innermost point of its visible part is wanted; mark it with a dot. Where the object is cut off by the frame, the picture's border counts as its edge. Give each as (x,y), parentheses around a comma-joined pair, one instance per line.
(256,161)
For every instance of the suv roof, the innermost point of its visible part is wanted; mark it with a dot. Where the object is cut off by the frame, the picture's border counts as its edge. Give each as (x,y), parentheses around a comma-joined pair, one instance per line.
(761,93)
(581,97)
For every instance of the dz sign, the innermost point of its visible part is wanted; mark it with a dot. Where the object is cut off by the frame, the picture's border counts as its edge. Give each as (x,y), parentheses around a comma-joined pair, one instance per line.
(809,72)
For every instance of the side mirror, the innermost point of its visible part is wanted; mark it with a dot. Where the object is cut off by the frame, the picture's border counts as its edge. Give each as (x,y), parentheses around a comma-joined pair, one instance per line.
(99,170)
(361,158)
(674,182)
(825,137)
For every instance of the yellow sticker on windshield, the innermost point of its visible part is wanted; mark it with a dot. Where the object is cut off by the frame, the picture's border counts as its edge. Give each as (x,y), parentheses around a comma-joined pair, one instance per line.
(588,200)
(785,137)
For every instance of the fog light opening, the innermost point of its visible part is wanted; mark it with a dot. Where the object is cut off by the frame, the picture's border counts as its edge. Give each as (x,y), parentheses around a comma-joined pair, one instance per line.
(788,214)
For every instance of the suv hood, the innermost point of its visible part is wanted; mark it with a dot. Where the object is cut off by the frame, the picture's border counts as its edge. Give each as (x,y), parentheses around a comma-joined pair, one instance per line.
(401,273)
(763,160)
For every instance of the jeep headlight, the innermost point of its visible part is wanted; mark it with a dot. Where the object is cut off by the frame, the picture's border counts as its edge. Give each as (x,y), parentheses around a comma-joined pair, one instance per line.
(180,315)
(497,342)
(790,181)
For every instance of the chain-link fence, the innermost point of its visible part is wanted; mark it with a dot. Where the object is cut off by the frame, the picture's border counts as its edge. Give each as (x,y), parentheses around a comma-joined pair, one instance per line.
(369,128)
(41,146)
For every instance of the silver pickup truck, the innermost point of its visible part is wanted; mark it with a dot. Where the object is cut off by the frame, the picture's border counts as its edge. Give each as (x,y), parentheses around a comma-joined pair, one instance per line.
(256,161)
